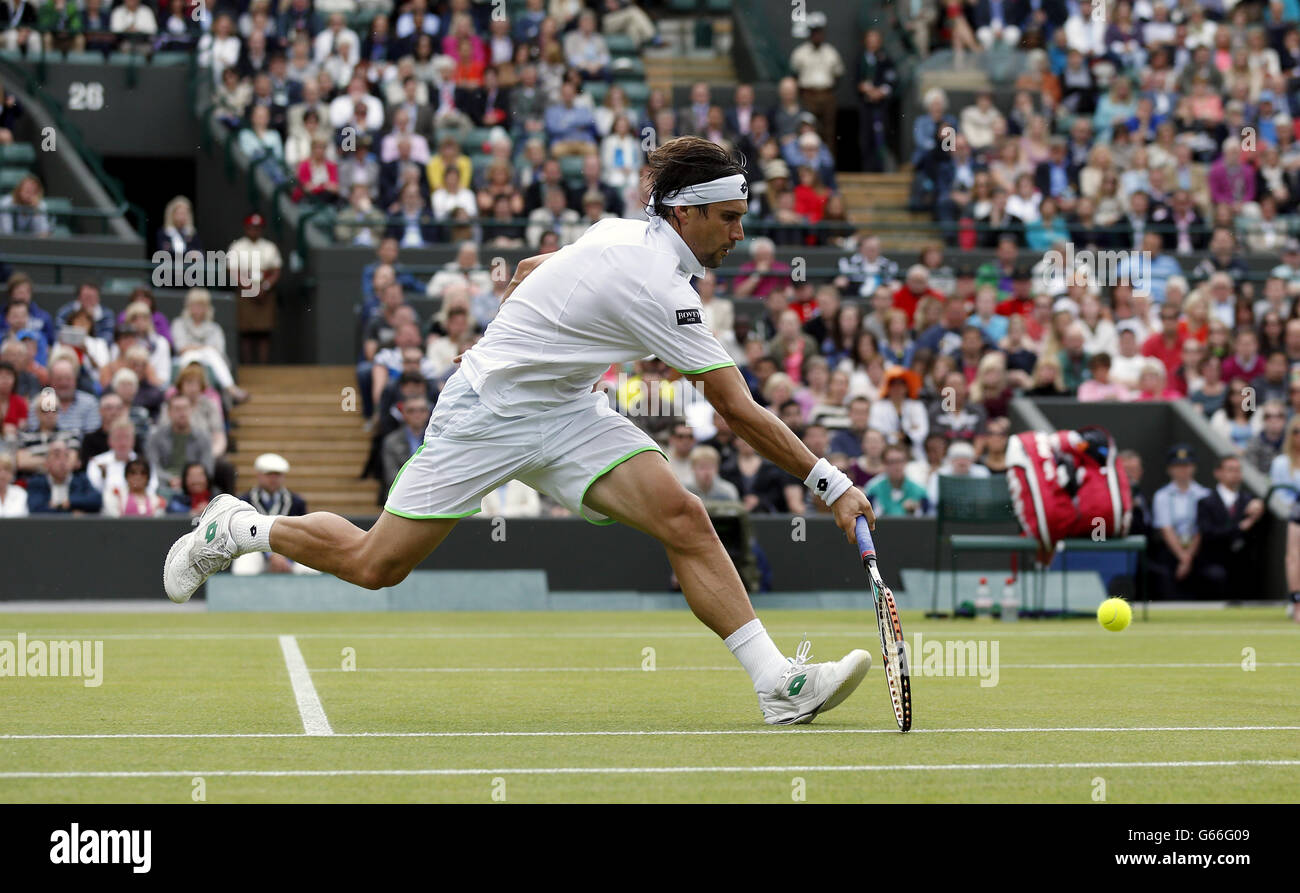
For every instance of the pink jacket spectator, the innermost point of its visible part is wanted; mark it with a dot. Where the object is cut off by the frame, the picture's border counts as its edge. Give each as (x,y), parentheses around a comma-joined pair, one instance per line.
(1232,187)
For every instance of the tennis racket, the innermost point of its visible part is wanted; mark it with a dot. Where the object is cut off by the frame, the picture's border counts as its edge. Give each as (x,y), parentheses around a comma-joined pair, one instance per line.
(893,650)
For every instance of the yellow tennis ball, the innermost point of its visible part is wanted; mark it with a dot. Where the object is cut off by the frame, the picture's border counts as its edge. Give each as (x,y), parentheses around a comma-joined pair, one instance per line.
(1114,614)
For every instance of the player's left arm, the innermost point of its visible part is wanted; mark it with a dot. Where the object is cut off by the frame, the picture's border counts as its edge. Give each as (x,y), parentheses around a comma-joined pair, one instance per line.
(726,390)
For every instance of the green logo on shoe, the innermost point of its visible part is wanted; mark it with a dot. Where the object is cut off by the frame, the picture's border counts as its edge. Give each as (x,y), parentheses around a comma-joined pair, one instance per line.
(211,533)
(796,684)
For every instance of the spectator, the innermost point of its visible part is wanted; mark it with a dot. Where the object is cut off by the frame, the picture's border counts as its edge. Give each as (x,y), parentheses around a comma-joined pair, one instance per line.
(1099,387)
(849,440)
(877,78)
(13,499)
(1237,422)
(953,416)
(867,269)
(570,126)
(401,444)
(172,446)
(585,50)
(78,411)
(258,141)
(13,406)
(88,299)
(92,353)
(318,176)
(135,22)
(271,497)
(818,67)
(763,487)
(22,211)
(177,237)
(140,319)
(137,499)
(107,470)
(1174,514)
(255,264)
(1269,440)
(1226,527)
(893,494)
(554,216)
(451,195)
(61,489)
(111,409)
(704,481)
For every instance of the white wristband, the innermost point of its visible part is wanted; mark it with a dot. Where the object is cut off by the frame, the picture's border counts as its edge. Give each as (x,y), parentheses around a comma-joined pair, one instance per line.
(827,481)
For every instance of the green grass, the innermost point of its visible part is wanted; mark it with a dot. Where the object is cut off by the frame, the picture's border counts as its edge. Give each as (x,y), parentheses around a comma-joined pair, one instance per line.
(224,674)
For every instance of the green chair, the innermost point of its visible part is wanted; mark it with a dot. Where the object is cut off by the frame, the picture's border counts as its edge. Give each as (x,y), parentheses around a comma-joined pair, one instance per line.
(621,45)
(169,59)
(18,155)
(597,90)
(683,7)
(59,208)
(472,140)
(629,68)
(638,93)
(79,57)
(11,177)
(718,7)
(977,501)
(571,167)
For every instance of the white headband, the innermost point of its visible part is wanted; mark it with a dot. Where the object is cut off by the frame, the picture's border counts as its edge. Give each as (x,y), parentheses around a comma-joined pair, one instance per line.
(723,189)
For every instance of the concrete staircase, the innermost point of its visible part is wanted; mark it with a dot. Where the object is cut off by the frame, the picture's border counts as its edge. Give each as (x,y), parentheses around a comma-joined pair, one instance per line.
(878,202)
(679,62)
(296,411)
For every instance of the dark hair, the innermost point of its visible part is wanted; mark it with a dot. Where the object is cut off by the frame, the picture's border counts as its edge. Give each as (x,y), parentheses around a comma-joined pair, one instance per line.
(791,402)
(135,465)
(688,161)
(185,473)
(6,366)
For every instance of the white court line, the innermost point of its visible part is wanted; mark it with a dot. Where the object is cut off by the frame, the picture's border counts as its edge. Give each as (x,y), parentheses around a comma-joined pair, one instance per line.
(648,770)
(634,733)
(314,721)
(1205,665)
(948,631)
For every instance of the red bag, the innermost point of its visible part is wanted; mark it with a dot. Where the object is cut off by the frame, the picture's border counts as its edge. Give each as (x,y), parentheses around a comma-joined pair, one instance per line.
(1068,484)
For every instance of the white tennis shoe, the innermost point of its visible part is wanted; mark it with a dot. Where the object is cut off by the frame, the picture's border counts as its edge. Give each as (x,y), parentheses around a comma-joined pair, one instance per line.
(806,690)
(204,551)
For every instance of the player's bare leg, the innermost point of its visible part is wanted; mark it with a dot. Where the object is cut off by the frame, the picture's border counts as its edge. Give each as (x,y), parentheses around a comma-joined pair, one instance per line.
(375,558)
(643,493)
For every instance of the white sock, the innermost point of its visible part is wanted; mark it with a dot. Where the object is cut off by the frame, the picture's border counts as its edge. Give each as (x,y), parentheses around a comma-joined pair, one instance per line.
(758,654)
(252,531)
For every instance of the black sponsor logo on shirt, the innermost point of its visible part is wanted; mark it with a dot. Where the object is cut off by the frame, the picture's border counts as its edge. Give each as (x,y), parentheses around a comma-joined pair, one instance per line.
(687,317)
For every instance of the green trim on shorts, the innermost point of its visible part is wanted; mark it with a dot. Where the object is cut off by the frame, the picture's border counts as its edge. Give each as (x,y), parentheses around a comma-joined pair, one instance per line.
(417,452)
(606,470)
(429,517)
(705,369)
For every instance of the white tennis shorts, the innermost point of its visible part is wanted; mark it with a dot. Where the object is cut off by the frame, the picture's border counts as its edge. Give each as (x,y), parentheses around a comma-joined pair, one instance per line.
(469,451)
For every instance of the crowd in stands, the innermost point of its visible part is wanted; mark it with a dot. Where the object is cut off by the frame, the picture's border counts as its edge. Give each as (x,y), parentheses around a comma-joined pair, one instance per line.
(122,413)
(444,125)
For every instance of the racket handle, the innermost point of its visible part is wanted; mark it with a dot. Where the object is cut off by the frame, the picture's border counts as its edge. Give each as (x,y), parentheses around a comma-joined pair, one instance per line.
(866,546)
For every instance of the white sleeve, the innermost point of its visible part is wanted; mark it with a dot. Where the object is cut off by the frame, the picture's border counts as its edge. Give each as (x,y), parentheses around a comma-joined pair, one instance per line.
(674,330)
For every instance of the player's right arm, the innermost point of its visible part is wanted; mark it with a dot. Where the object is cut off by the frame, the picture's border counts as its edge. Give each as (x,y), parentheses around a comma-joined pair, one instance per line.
(726,390)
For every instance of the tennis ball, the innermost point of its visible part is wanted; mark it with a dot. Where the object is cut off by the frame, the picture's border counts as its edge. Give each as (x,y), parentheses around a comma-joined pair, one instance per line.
(1114,614)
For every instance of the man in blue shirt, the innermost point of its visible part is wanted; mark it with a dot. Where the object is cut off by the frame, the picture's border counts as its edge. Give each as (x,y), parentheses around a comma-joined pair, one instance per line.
(1176,540)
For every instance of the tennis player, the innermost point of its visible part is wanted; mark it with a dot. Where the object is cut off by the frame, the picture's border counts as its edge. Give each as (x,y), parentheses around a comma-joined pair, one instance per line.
(522,407)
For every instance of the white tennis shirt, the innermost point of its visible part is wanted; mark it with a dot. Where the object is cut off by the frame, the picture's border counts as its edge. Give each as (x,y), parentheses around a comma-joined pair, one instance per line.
(620,293)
